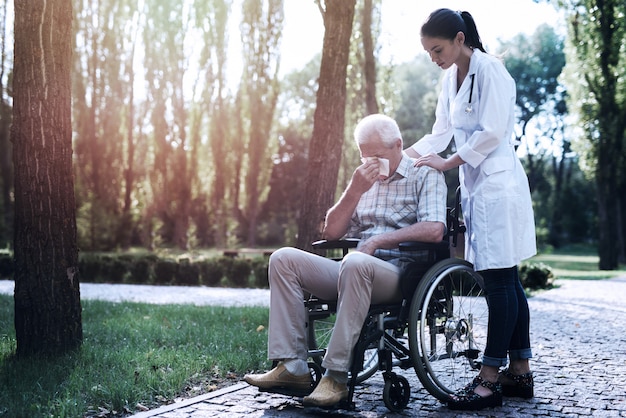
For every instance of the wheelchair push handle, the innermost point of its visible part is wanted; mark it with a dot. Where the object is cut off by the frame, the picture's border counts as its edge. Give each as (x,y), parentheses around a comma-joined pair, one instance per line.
(455,227)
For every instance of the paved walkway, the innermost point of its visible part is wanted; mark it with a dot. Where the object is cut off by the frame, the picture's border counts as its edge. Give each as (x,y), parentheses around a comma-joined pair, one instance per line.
(193,295)
(579,342)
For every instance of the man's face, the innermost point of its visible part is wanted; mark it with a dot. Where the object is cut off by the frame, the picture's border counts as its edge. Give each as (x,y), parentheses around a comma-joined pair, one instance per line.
(377,149)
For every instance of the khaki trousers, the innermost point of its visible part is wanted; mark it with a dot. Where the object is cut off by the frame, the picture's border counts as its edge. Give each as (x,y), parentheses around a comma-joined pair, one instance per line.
(356,282)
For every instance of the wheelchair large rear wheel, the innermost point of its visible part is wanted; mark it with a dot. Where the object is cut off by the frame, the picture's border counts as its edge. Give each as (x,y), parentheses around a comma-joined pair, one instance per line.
(448,327)
(321,325)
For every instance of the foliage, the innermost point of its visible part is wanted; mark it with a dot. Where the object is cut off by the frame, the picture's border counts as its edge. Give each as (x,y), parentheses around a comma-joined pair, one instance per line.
(536,276)
(133,356)
(536,63)
(596,79)
(417,84)
(261,32)
(6,264)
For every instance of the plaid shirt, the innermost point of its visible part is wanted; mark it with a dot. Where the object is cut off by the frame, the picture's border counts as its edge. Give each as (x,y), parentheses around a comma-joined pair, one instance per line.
(410,195)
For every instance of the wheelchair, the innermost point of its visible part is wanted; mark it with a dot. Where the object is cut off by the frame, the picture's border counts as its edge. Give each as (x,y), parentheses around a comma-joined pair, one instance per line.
(439,328)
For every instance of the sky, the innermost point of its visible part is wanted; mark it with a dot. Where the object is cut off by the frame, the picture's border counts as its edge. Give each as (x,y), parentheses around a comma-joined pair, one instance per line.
(401,21)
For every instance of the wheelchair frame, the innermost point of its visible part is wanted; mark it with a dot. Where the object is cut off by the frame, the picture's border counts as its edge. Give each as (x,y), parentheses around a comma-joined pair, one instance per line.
(439,328)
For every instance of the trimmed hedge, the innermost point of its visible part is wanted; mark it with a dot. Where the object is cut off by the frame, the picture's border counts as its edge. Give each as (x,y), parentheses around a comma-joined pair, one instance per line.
(150,269)
(6,265)
(213,272)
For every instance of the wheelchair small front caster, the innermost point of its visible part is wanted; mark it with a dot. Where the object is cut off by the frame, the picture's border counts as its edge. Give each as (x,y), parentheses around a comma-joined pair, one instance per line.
(397,392)
(316,372)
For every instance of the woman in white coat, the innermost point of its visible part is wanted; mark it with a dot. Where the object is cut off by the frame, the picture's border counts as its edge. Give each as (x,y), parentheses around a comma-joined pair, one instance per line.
(476,108)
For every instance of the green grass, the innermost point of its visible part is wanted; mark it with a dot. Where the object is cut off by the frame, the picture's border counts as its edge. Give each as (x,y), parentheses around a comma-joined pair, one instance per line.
(580,263)
(131,354)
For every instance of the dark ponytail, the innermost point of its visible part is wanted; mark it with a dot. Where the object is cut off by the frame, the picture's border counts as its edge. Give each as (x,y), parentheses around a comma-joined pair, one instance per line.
(446,23)
(472,39)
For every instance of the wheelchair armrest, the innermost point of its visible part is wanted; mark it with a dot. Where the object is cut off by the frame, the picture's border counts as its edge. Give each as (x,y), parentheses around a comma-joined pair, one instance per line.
(343,244)
(423,246)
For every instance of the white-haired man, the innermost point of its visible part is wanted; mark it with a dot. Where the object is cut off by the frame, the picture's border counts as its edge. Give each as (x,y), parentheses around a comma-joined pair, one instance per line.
(387,201)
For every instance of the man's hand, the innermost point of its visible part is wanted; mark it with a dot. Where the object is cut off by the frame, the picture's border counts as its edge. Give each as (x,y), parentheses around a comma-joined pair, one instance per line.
(367,246)
(364,176)
(338,217)
(427,231)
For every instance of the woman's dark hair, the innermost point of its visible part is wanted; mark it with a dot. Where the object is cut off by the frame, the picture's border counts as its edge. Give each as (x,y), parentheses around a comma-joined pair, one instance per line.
(446,23)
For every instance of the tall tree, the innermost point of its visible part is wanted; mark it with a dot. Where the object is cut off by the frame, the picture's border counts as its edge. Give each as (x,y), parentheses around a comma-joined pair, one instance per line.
(261,33)
(212,22)
(329,120)
(47,295)
(296,106)
(103,117)
(6,167)
(166,63)
(414,108)
(597,83)
(536,63)
(362,81)
(126,224)
(369,61)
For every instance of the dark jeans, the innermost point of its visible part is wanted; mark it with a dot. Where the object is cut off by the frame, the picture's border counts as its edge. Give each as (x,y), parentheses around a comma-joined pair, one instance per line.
(509,318)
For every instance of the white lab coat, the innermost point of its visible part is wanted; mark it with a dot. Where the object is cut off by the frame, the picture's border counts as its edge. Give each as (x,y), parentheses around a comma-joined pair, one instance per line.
(495,196)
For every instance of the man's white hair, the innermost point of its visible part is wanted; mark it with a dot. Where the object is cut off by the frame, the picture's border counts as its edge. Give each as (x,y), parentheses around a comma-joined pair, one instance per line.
(381,126)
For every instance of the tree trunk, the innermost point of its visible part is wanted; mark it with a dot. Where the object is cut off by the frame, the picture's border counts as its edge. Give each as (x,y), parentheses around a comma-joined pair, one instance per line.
(597,31)
(261,32)
(608,250)
(6,173)
(328,123)
(126,225)
(371,104)
(47,295)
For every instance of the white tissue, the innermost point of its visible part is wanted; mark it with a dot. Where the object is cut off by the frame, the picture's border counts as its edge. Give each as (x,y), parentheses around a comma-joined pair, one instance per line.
(383,167)
(383,164)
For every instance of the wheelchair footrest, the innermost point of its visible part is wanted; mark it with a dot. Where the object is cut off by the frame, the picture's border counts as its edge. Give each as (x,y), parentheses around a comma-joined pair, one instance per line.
(345,404)
(295,393)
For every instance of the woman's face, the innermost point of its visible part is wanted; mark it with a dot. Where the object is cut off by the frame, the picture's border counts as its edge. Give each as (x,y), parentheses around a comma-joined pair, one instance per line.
(443,52)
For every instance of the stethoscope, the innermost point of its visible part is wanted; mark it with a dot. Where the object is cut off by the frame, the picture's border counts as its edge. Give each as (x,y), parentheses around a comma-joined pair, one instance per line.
(468,108)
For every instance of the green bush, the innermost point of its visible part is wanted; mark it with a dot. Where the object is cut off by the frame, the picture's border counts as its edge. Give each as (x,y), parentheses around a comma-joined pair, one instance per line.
(118,270)
(238,272)
(90,268)
(142,270)
(211,271)
(259,271)
(187,273)
(6,265)
(164,271)
(536,276)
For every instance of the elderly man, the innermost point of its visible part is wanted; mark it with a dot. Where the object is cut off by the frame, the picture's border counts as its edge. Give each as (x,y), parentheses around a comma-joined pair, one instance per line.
(387,201)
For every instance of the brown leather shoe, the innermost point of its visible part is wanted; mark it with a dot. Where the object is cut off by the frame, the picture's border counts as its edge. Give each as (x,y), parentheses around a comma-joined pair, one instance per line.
(279,377)
(327,393)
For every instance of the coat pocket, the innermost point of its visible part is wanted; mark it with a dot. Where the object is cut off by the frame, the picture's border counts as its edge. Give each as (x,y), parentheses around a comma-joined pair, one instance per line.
(496,164)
